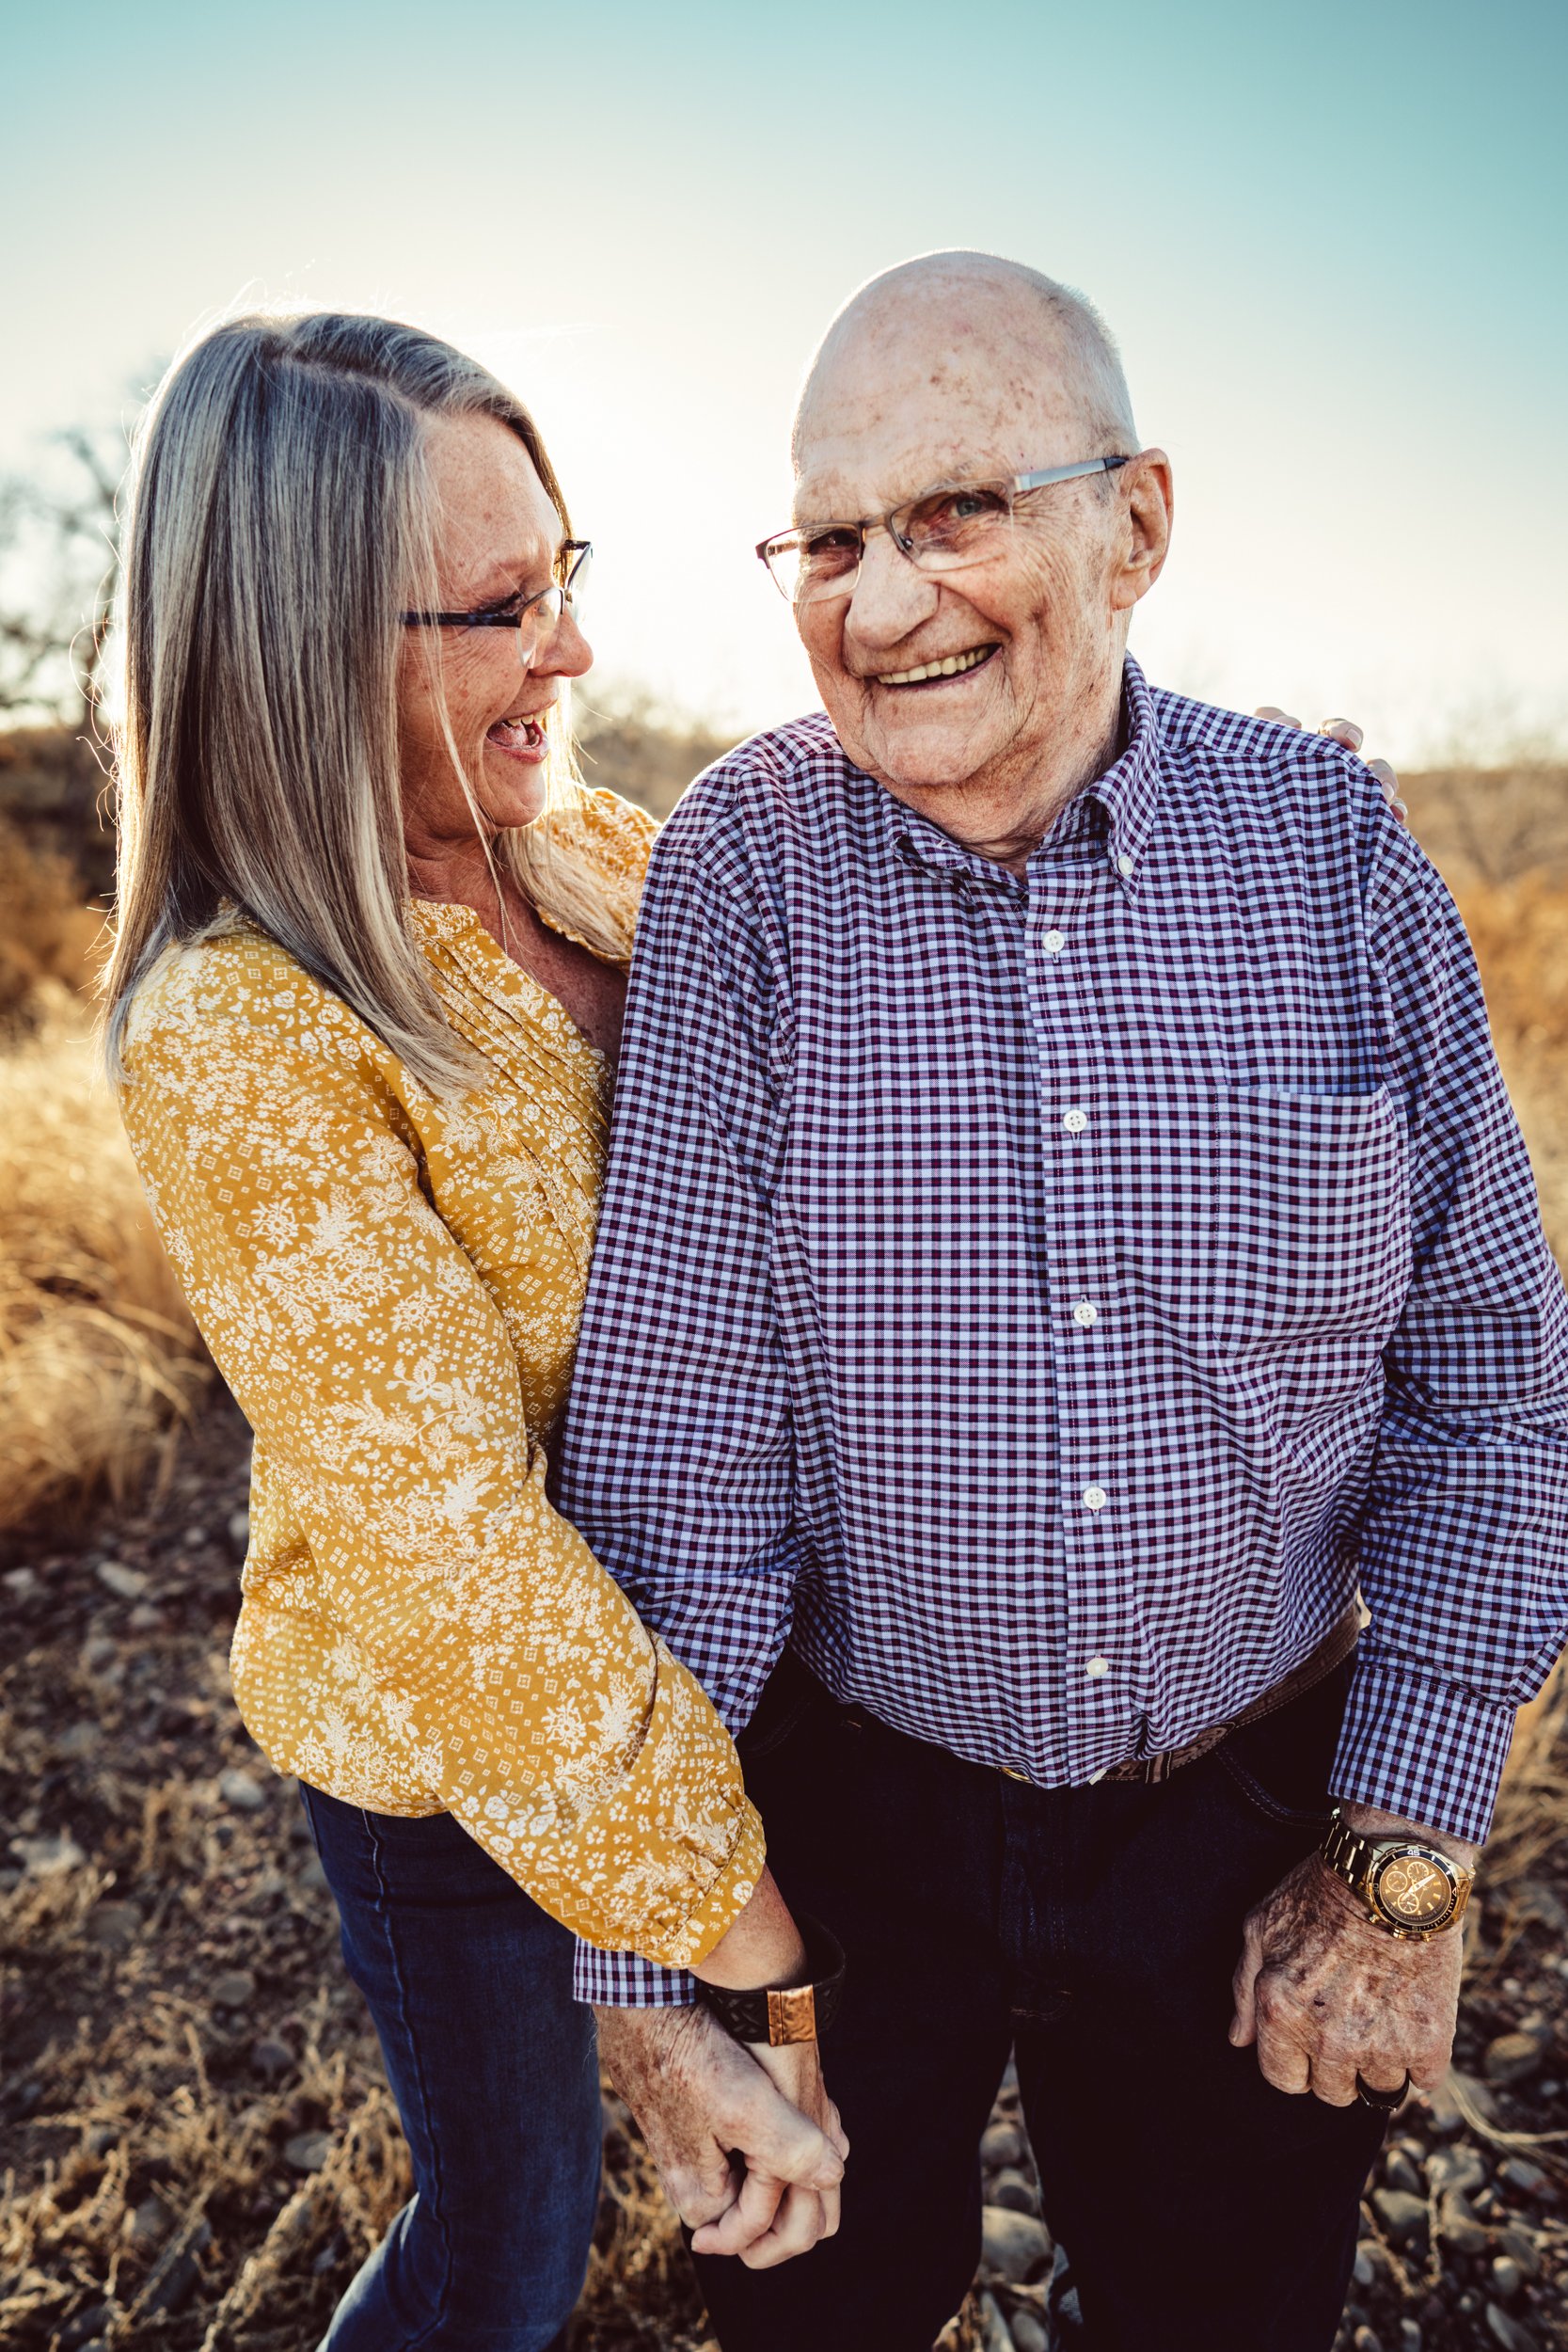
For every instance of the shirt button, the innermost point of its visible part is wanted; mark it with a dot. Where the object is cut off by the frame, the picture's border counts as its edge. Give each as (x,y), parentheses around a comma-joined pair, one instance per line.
(1055,942)
(1085,1315)
(1076,1122)
(1124,866)
(1095,1498)
(1098,1666)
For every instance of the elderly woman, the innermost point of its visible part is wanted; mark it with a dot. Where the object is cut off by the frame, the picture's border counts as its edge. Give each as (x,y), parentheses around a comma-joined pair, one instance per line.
(363,1008)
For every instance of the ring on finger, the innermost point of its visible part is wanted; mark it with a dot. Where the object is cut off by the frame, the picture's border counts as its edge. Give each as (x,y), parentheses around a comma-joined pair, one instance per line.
(1384,2102)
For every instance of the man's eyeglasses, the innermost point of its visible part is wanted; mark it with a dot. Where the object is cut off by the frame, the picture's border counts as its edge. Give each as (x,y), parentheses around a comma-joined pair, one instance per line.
(941,530)
(532,617)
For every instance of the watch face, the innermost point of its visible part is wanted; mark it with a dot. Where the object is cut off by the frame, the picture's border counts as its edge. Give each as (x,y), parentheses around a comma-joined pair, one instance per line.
(1414,1890)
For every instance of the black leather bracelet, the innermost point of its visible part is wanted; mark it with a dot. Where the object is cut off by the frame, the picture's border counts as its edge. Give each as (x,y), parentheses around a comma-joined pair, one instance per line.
(778,2014)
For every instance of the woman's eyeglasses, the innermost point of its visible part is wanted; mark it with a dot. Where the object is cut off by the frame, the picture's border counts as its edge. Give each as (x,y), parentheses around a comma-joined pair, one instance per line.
(533,616)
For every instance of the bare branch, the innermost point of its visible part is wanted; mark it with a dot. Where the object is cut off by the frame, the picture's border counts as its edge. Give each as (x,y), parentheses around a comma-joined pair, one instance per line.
(58,570)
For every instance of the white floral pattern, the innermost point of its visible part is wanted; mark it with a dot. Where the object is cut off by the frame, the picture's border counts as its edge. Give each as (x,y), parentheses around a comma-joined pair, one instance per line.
(391,1286)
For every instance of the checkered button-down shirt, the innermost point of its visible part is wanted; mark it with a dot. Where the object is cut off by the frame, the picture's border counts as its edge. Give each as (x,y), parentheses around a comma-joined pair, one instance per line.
(1046,1300)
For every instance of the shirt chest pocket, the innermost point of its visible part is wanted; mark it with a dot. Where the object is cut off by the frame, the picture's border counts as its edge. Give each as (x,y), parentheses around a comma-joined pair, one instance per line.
(1263,1218)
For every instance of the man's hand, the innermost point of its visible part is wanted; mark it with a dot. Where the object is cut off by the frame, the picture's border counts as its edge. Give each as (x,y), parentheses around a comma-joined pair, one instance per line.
(748,2144)
(1345,731)
(1326,1995)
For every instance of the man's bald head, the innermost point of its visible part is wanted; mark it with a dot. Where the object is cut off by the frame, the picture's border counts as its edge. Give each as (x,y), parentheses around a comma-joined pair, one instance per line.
(958,315)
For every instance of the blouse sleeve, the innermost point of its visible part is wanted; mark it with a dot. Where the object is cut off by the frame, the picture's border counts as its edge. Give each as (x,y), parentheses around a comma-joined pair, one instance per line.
(375,1367)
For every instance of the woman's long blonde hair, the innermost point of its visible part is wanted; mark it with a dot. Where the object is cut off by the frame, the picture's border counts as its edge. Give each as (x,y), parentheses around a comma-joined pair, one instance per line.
(281,523)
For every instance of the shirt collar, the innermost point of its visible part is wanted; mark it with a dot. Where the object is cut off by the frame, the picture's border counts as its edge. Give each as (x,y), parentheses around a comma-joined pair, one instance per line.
(916,842)
(1118,806)
(1129,791)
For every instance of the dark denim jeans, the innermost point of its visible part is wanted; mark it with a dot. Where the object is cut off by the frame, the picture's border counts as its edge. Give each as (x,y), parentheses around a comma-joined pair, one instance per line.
(1094,1932)
(494,2069)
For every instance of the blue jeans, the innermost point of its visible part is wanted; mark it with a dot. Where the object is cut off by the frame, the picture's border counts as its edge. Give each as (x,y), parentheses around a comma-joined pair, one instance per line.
(495,2072)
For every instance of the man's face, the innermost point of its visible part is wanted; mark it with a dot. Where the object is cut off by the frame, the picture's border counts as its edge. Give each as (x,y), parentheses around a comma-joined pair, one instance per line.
(1035,626)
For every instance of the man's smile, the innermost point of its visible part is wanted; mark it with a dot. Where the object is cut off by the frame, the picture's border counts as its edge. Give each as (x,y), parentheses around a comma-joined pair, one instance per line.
(932,672)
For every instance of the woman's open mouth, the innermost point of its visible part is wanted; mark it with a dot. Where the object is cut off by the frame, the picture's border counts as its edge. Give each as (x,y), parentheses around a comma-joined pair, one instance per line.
(519,739)
(937,672)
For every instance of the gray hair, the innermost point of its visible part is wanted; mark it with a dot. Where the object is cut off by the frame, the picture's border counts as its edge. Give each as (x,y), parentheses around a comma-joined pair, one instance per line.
(281,522)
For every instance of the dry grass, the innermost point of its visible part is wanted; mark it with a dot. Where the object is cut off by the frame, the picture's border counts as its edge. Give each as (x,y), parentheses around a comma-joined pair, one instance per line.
(98,1354)
(1532,1821)
(97,1350)
(1520,930)
(48,937)
(1493,824)
(161,2169)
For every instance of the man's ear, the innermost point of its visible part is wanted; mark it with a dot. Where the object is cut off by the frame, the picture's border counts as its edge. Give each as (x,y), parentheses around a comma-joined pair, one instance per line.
(1148,503)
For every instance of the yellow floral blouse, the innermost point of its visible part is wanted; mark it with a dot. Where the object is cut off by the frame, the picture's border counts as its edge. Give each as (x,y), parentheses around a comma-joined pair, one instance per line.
(391,1285)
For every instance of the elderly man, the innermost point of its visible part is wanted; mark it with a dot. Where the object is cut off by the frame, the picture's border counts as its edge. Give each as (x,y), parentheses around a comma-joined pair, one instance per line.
(1066,1236)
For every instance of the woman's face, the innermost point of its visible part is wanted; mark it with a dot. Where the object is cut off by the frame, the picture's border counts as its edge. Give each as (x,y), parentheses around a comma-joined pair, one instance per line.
(497,536)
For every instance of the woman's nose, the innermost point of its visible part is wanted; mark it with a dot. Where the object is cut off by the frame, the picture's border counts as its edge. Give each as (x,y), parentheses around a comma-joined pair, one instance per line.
(567,654)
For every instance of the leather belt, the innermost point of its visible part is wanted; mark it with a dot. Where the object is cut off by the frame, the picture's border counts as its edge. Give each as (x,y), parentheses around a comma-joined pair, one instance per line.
(1332,1651)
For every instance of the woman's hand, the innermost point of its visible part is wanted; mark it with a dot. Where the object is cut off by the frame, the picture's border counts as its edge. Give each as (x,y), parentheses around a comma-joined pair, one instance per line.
(1345,731)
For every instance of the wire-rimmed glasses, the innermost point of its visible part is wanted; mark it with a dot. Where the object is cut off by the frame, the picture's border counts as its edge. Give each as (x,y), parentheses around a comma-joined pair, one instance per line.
(941,530)
(532,617)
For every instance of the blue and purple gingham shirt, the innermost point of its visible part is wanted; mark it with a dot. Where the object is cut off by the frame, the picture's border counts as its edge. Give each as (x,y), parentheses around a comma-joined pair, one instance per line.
(1045,1301)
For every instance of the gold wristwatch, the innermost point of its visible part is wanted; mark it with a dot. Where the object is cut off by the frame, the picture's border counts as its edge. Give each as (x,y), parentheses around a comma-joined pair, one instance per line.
(1409,1889)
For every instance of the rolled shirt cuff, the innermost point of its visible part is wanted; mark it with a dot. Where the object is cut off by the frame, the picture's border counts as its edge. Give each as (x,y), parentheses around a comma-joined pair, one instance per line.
(1419,1746)
(624,1980)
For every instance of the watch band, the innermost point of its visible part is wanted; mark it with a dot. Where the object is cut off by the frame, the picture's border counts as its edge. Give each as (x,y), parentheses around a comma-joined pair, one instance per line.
(1400,1882)
(779,2015)
(1347,1853)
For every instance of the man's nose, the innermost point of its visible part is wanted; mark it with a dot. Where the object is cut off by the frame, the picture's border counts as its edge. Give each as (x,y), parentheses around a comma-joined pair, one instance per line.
(890,596)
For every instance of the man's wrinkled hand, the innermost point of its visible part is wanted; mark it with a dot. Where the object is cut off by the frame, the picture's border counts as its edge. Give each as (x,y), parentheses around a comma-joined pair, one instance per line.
(1326,1995)
(1346,732)
(748,2144)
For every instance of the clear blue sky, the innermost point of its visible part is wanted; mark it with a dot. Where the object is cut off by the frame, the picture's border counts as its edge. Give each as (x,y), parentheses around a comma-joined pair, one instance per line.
(1331,239)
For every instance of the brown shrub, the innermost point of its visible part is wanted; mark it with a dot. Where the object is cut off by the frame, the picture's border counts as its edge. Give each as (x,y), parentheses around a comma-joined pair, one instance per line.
(97,1349)
(1492,824)
(54,789)
(48,935)
(1532,1806)
(1520,931)
(629,746)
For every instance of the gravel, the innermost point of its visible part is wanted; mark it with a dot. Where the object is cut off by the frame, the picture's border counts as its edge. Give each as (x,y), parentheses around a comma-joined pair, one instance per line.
(242,1789)
(1014,2245)
(234,1988)
(1513,2058)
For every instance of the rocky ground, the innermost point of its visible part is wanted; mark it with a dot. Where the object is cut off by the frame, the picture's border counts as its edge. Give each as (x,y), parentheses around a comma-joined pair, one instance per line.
(196,2145)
